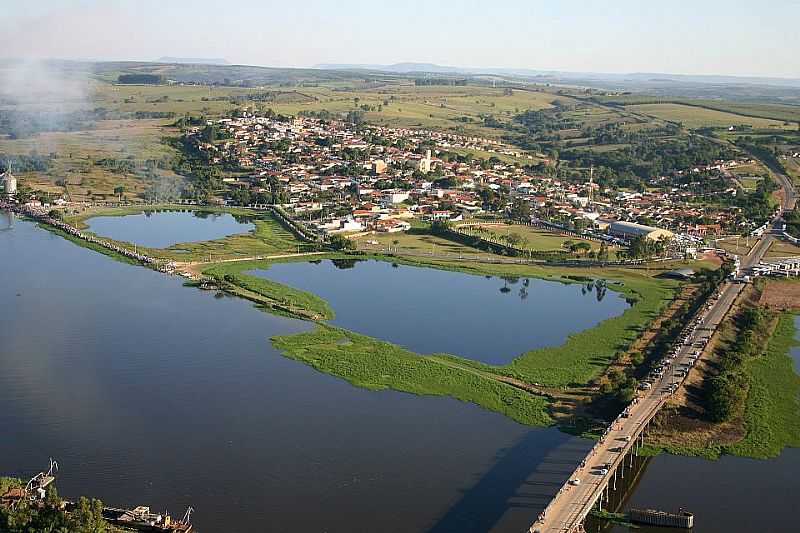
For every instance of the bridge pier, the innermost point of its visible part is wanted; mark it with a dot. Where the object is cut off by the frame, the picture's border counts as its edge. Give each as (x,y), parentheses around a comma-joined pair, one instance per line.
(615,478)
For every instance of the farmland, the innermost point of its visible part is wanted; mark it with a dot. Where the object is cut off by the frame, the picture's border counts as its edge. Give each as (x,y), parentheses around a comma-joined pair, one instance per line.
(697,117)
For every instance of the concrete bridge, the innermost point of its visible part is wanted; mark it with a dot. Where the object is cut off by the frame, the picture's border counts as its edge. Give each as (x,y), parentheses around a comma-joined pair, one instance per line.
(590,483)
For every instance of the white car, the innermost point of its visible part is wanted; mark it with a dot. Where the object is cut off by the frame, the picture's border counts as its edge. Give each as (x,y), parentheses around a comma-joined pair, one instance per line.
(575,481)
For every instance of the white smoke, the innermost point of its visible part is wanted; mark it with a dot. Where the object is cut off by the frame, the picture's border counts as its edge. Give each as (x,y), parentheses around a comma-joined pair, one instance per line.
(39,96)
(41,84)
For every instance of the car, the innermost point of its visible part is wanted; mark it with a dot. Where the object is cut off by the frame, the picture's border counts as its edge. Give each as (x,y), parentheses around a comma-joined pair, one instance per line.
(603,471)
(575,481)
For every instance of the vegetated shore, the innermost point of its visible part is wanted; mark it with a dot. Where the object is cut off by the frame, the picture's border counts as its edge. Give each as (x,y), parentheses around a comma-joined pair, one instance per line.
(527,388)
(268,237)
(766,419)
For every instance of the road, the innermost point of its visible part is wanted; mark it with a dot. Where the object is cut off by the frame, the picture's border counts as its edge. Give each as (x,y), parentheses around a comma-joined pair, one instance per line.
(585,487)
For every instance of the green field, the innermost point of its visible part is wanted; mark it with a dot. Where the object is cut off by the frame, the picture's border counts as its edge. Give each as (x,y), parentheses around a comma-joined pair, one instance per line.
(536,239)
(377,365)
(698,117)
(772,412)
(781,112)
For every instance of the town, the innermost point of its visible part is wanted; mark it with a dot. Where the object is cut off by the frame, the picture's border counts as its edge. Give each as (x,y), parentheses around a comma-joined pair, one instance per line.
(458,269)
(344,177)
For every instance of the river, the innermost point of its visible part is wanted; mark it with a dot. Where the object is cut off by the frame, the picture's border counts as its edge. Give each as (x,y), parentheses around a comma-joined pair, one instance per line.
(148,392)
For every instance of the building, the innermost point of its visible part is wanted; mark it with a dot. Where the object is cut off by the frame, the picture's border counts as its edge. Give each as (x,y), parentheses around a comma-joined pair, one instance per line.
(425,163)
(9,183)
(395,197)
(631,230)
(379,166)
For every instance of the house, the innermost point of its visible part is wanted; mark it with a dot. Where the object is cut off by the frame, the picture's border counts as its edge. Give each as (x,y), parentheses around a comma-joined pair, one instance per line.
(379,166)
(392,225)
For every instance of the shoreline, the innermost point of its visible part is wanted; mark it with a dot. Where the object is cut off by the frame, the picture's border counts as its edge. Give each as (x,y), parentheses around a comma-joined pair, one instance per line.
(489,382)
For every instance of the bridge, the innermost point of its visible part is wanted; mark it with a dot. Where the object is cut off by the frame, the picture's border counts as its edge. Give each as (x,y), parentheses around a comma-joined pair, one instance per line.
(590,483)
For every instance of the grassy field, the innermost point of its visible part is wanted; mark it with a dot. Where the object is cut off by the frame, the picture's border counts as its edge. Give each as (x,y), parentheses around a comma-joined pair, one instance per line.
(377,365)
(697,117)
(772,412)
(75,170)
(792,166)
(782,249)
(274,296)
(536,239)
(415,242)
(455,109)
(780,112)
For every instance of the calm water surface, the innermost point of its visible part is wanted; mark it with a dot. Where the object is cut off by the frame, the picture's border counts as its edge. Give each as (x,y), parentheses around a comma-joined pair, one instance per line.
(148,392)
(730,495)
(427,310)
(165,228)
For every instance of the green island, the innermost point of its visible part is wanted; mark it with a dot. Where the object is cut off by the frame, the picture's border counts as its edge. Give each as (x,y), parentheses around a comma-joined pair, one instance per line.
(376,364)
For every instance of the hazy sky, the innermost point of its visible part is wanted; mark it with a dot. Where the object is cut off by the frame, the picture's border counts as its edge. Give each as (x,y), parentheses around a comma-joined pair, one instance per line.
(738,37)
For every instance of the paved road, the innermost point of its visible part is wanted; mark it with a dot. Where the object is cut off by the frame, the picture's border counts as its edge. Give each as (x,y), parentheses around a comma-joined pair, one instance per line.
(587,483)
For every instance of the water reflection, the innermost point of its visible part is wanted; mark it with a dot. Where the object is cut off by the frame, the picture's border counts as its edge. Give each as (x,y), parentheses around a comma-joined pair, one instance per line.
(160,229)
(429,311)
(148,392)
(6,220)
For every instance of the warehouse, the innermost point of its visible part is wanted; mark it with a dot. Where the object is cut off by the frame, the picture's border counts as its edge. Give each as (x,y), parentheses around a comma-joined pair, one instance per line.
(631,230)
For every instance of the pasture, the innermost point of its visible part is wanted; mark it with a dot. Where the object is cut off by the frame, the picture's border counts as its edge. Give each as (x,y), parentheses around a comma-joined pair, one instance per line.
(697,117)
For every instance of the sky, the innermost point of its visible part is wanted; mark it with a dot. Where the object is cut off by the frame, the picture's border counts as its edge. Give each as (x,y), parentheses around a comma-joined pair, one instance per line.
(730,37)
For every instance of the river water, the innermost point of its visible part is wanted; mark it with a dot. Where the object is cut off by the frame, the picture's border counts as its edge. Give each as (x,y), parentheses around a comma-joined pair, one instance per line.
(161,229)
(485,318)
(148,392)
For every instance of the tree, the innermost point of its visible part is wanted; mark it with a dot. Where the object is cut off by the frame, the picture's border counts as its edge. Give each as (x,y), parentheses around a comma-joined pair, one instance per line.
(119,191)
(514,239)
(602,254)
(340,242)
(87,517)
(582,247)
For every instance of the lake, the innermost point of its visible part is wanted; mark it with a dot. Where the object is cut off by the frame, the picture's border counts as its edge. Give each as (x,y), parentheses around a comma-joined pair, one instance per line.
(426,310)
(161,229)
(151,393)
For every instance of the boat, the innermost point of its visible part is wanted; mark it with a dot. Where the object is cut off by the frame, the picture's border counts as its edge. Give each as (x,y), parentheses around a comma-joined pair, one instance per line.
(142,519)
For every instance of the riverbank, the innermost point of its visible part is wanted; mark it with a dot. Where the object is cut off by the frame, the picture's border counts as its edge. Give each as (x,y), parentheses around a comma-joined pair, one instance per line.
(269,237)
(765,417)
(377,365)
(548,375)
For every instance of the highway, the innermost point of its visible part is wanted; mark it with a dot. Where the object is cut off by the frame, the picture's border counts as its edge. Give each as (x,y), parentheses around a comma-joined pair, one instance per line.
(597,474)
